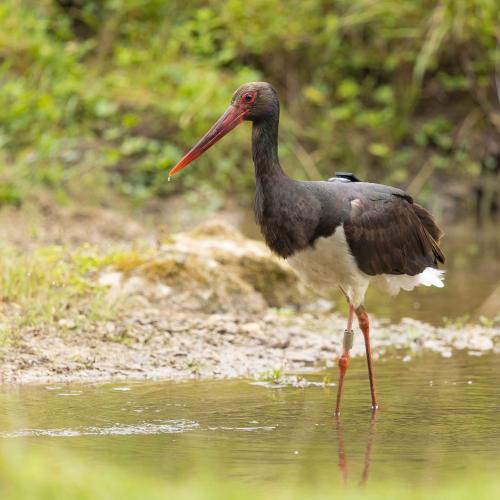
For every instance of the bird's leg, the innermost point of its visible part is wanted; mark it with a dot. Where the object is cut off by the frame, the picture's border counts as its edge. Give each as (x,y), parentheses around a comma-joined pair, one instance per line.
(364,324)
(344,357)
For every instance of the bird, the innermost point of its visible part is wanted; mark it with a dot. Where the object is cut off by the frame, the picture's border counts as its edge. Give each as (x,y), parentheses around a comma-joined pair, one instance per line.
(335,233)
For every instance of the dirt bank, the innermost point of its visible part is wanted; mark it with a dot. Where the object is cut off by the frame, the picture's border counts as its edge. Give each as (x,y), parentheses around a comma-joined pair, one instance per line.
(208,303)
(152,344)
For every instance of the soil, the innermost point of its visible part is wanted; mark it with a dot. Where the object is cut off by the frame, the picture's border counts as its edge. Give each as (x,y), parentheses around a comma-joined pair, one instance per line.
(208,303)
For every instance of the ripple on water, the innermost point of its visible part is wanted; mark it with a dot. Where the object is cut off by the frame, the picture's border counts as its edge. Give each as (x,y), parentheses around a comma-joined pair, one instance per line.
(243,429)
(291,381)
(160,427)
(69,393)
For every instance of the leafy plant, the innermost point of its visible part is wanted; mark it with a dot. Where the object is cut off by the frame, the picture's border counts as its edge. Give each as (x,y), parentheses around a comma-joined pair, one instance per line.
(109,93)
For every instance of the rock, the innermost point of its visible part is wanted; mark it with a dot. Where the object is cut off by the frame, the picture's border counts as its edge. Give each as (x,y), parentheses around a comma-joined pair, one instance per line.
(67,323)
(213,268)
(161,291)
(251,328)
(110,327)
(135,285)
(110,278)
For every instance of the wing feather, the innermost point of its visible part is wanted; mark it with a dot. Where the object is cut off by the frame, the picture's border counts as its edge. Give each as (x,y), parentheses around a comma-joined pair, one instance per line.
(389,234)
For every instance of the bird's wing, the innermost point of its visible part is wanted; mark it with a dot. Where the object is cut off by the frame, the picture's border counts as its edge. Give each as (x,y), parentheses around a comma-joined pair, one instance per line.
(388,233)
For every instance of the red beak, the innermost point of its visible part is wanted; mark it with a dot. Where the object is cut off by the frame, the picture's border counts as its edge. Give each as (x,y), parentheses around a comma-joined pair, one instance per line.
(232,117)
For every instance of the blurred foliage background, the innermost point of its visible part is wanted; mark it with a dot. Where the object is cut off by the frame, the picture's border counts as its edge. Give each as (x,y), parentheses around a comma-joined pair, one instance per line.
(99,97)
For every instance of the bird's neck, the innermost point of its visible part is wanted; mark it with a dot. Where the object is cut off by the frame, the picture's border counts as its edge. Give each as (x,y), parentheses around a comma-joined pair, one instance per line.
(275,193)
(265,149)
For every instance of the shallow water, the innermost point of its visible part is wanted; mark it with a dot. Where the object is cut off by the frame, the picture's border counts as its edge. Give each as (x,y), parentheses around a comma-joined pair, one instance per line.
(437,417)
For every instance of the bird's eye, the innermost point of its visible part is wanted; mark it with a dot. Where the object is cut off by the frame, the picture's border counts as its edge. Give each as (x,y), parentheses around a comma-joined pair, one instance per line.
(248,97)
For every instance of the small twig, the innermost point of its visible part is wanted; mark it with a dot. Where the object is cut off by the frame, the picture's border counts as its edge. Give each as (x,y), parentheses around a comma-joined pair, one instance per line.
(493,116)
(305,159)
(467,124)
(417,183)
(497,68)
(490,305)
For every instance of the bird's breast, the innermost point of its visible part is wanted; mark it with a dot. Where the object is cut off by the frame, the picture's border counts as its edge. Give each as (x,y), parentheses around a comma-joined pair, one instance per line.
(328,263)
(287,215)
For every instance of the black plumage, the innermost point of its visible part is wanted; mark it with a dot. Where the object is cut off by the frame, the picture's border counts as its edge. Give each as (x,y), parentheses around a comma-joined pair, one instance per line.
(340,232)
(386,231)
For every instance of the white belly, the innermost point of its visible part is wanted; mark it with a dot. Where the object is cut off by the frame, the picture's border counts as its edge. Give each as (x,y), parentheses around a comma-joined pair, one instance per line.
(330,264)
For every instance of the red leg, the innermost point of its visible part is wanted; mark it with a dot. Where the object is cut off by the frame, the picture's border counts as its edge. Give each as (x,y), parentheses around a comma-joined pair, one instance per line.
(344,358)
(364,324)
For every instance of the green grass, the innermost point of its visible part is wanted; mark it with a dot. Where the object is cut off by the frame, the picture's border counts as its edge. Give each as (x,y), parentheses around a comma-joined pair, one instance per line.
(30,475)
(42,286)
(51,284)
(274,376)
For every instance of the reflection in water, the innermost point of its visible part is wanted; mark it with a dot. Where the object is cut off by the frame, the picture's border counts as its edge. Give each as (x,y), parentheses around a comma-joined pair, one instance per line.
(369,446)
(341,449)
(342,459)
(254,432)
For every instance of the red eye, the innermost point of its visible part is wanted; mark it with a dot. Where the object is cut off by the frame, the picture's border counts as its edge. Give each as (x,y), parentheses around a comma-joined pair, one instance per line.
(248,97)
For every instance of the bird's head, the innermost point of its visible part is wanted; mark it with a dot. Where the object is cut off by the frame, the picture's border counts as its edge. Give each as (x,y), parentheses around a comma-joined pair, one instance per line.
(252,101)
(258,98)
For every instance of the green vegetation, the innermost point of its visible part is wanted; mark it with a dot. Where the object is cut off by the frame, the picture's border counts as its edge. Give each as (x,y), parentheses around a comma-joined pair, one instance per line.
(42,286)
(51,284)
(26,475)
(275,376)
(102,96)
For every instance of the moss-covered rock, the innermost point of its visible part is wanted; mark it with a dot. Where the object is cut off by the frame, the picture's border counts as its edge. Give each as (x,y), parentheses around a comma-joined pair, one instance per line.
(215,268)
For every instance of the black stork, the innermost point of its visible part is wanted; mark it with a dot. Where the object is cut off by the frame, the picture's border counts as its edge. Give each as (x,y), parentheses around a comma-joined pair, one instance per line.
(345,234)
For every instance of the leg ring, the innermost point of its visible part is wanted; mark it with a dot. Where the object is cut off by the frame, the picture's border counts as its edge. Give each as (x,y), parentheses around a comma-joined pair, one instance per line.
(348,340)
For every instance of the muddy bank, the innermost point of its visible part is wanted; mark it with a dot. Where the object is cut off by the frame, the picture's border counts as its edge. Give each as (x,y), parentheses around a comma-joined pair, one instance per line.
(152,344)
(209,303)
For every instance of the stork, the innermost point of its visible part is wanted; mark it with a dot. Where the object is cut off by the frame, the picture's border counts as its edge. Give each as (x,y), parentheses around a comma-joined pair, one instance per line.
(339,233)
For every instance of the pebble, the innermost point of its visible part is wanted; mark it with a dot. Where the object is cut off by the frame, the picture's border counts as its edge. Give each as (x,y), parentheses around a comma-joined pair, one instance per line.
(67,323)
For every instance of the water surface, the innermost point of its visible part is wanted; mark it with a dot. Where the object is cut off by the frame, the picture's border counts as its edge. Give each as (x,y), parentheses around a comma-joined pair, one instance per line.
(438,417)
